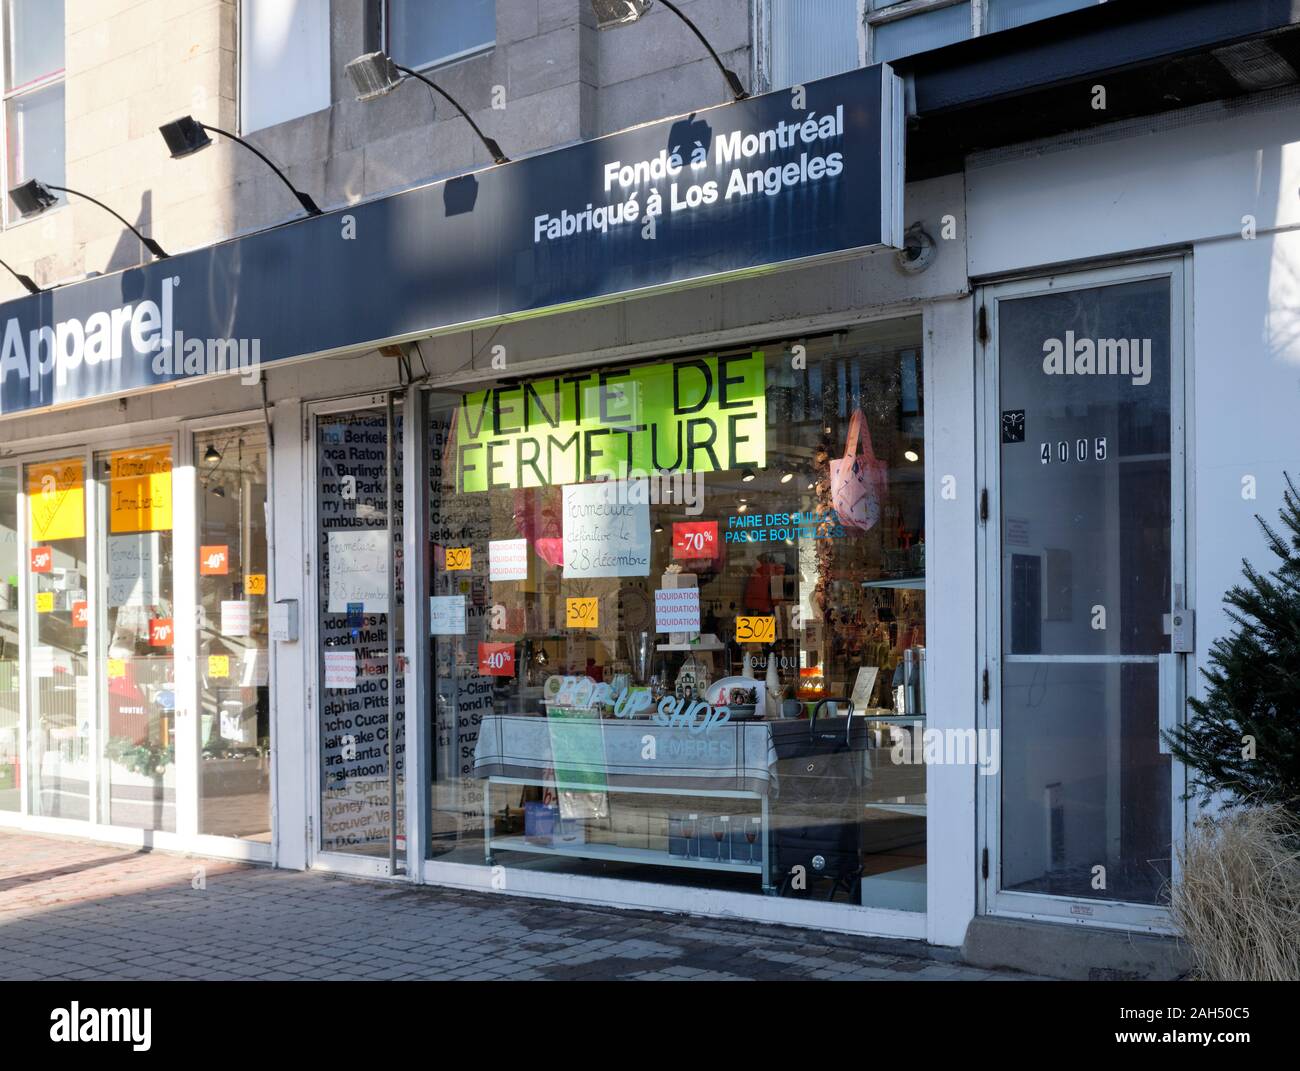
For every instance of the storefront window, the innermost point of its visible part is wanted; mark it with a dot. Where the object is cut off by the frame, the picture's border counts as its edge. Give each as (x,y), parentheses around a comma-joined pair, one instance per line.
(234,709)
(678,621)
(135,637)
(58,668)
(354,485)
(11,766)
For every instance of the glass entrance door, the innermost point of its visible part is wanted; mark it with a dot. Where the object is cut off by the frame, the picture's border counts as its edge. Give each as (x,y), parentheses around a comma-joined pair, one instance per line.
(361,708)
(135,636)
(1085,552)
(234,731)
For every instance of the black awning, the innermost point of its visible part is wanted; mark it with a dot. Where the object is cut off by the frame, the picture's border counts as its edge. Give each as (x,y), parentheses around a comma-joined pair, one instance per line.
(1036,80)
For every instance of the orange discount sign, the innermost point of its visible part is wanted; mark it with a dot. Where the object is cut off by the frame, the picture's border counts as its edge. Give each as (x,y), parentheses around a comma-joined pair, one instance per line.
(755,629)
(42,559)
(582,613)
(459,558)
(160,632)
(214,561)
(80,614)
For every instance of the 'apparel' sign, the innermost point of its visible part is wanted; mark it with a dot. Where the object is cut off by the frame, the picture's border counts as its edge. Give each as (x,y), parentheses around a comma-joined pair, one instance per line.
(731,190)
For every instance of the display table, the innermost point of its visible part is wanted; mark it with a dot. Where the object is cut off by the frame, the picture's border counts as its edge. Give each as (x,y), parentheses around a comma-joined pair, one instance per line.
(735,760)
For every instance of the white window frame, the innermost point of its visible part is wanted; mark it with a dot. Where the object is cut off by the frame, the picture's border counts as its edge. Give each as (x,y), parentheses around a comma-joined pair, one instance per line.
(12,217)
(871,15)
(883,12)
(439,61)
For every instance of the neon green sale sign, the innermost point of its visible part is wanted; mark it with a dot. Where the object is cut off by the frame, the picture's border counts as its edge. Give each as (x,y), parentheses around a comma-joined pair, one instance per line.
(700,414)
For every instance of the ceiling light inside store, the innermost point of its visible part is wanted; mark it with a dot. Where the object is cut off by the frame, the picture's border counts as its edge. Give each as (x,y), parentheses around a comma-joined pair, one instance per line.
(211,454)
(747,476)
(787,477)
(911,455)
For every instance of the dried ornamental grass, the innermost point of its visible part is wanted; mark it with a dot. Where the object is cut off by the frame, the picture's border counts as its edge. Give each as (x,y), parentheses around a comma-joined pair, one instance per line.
(1238,903)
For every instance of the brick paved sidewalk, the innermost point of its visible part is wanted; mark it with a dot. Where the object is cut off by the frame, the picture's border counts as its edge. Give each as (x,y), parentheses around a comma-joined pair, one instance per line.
(78,910)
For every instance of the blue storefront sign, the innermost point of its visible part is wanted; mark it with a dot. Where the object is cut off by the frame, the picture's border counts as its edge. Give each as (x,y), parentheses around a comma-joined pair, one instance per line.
(740,188)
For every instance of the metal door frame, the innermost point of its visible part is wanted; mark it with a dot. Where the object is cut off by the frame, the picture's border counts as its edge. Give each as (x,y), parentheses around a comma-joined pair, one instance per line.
(370,866)
(991,899)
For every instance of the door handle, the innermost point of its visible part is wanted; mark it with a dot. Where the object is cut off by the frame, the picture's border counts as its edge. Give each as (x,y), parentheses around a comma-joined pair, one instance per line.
(1169,694)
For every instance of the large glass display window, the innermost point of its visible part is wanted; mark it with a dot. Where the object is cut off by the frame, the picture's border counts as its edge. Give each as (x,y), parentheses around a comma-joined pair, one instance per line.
(60,710)
(233,667)
(11,765)
(677,620)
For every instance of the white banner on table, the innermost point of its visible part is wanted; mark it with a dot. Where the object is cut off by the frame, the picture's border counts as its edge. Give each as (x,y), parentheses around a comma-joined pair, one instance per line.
(341,669)
(607,529)
(358,566)
(447,615)
(677,610)
(508,559)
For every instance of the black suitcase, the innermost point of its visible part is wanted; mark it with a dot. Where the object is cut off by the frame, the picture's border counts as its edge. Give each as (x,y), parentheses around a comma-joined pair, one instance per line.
(816,813)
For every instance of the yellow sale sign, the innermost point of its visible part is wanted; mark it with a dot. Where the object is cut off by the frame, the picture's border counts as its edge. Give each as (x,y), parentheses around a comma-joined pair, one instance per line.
(755,629)
(56,500)
(459,557)
(582,613)
(140,490)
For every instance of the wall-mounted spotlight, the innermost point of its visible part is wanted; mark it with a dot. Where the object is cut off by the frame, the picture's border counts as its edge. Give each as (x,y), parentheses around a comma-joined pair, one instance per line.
(375,74)
(611,13)
(34,197)
(211,454)
(186,136)
(747,476)
(26,280)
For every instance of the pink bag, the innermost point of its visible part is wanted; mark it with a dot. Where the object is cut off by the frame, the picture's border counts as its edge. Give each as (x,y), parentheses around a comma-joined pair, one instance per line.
(859,482)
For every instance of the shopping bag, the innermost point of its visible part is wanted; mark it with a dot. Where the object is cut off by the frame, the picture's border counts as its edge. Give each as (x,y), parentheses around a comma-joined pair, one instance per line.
(859,480)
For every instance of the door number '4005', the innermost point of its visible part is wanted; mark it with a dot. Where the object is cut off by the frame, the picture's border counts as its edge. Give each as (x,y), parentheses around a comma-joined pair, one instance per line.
(1079,450)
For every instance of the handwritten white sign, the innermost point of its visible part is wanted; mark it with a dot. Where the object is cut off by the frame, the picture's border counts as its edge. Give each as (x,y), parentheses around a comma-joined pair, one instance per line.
(133,569)
(606,529)
(358,565)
